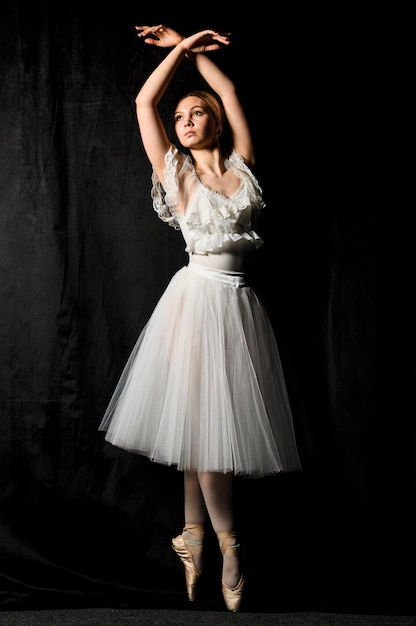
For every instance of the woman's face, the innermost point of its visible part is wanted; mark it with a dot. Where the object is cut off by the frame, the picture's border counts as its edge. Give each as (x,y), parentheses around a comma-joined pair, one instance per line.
(194,124)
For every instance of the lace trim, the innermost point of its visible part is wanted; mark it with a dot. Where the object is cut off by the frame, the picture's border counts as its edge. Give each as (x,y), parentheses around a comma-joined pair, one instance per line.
(165,197)
(216,221)
(210,242)
(219,193)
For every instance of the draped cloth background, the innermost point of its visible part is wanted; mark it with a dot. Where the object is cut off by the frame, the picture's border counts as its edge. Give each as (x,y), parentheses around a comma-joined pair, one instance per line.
(83,261)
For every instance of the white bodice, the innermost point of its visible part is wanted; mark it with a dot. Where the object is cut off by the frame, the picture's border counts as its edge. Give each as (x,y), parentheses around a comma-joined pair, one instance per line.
(211,222)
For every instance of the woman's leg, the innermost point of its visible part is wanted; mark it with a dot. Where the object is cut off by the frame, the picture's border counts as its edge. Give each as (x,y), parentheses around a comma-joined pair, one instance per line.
(195,510)
(217,492)
(189,544)
(195,516)
(212,493)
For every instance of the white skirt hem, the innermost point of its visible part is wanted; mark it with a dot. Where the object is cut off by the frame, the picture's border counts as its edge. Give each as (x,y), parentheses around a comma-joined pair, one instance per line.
(203,388)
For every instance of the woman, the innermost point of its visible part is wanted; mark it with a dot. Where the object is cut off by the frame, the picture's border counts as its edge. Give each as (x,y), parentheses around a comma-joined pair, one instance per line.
(203,389)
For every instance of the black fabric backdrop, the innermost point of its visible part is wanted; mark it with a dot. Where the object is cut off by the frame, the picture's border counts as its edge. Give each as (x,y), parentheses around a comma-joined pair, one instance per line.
(84,259)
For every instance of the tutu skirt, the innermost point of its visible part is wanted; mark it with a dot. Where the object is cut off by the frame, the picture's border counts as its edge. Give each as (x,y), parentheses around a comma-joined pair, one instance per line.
(203,388)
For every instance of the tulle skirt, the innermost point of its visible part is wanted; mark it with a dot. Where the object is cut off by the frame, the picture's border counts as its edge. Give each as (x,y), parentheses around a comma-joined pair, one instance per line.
(203,388)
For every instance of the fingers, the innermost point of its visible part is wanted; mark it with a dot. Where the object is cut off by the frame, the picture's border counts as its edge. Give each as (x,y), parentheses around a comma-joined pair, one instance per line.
(165,37)
(207,40)
(222,39)
(146,31)
(159,29)
(213,36)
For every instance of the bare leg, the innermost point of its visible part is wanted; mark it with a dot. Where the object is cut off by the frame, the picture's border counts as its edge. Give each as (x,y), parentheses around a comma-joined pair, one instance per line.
(195,510)
(217,491)
(195,514)
(210,493)
(189,544)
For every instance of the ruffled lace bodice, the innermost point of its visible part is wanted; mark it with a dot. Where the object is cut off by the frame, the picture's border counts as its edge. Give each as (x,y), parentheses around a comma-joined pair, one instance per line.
(210,221)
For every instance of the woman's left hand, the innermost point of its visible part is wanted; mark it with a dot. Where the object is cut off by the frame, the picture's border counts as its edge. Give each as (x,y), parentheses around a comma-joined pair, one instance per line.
(206,41)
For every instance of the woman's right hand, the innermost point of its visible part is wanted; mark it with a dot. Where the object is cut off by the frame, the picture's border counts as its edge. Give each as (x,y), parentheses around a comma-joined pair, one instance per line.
(159,35)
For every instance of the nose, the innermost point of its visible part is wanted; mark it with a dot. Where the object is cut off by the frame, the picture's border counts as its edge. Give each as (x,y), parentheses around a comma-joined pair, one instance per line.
(188,122)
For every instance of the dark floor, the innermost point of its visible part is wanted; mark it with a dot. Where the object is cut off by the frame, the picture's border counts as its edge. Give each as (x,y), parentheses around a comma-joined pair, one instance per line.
(173,617)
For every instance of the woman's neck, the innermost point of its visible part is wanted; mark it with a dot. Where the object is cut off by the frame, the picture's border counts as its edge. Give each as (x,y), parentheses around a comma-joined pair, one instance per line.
(208,162)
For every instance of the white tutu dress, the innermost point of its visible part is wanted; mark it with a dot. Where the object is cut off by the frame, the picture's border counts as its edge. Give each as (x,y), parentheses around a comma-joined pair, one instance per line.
(203,388)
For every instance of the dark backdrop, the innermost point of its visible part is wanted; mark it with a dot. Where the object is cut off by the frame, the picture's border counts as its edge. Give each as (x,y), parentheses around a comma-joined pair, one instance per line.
(83,261)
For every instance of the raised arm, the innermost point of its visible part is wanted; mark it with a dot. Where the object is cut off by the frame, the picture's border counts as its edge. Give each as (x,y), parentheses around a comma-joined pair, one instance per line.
(152,130)
(225,88)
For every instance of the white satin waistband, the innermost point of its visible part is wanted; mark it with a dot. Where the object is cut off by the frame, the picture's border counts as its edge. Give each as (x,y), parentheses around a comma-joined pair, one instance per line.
(233,279)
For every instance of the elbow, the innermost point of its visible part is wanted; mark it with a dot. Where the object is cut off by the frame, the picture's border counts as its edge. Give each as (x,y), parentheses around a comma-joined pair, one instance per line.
(143,102)
(142,107)
(143,99)
(139,100)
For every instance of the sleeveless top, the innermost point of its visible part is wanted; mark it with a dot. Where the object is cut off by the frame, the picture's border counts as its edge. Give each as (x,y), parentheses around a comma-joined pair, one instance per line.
(209,220)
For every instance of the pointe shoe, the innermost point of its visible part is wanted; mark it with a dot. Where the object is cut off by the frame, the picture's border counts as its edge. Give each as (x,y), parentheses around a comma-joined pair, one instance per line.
(186,550)
(233,596)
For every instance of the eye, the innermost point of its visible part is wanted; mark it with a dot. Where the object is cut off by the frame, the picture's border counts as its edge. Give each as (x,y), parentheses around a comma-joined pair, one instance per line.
(178,118)
(197,113)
